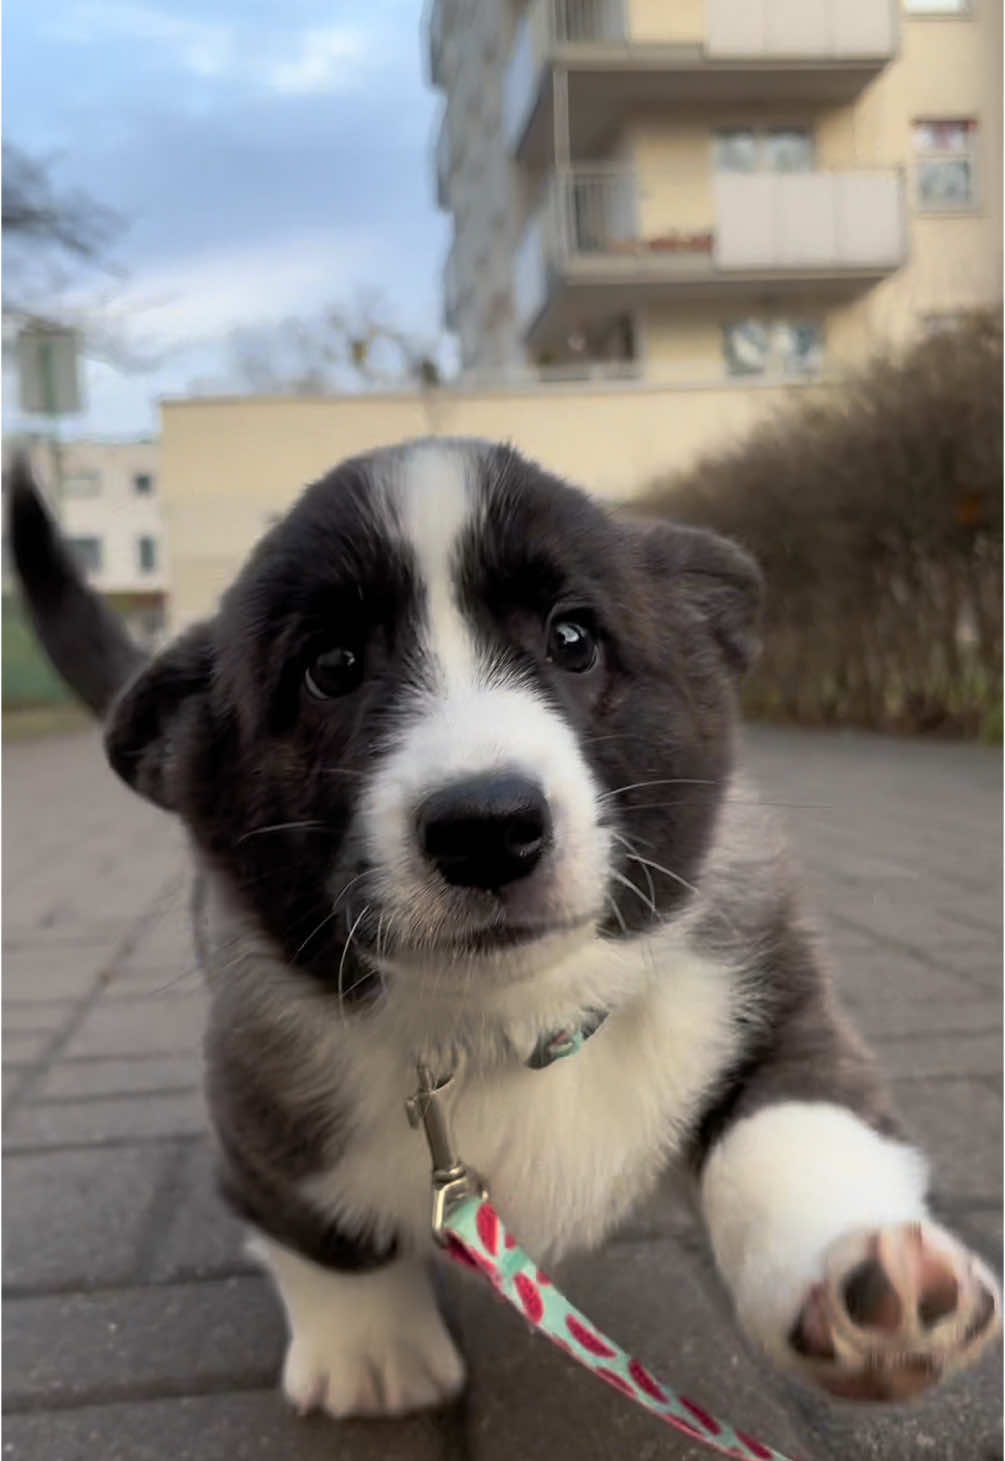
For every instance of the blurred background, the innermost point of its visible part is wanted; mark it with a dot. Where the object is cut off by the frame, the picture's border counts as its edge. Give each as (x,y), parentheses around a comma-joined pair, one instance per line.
(732,260)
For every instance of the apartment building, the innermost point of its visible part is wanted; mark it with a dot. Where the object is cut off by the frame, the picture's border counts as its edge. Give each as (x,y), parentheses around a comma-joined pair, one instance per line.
(107,499)
(697,189)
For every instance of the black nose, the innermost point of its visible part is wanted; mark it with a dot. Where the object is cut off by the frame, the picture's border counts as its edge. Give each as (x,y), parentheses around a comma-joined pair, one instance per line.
(486,831)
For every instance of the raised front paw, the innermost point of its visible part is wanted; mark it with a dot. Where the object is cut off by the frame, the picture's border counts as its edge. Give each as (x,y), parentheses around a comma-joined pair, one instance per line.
(897,1308)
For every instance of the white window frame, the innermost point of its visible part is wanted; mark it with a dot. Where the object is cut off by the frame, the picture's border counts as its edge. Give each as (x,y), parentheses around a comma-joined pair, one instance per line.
(74,541)
(940,10)
(774,363)
(761,131)
(141,541)
(971,154)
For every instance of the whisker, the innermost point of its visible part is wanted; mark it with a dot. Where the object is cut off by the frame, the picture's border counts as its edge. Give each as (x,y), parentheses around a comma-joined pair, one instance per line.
(345,951)
(617,913)
(658,866)
(633,854)
(314,932)
(313,825)
(620,877)
(665,781)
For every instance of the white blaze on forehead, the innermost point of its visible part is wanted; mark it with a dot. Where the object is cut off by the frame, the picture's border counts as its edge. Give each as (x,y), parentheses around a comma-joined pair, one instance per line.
(435,505)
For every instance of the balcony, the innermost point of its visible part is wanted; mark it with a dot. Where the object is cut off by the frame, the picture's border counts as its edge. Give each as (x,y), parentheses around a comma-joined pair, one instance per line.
(617,58)
(587,252)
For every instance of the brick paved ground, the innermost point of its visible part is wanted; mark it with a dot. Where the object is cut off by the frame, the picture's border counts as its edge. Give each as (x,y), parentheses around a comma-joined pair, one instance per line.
(135,1330)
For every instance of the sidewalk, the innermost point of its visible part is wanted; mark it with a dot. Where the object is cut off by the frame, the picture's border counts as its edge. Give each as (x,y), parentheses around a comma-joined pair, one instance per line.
(135,1328)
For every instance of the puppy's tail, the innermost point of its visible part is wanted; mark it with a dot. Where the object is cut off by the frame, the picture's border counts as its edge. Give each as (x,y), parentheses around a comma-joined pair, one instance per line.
(83,638)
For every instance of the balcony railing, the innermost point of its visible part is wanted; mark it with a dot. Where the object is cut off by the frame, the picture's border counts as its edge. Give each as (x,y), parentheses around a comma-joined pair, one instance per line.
(824,224)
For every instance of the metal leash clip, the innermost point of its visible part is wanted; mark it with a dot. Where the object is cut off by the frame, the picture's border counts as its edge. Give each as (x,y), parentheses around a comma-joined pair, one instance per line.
(452,1180)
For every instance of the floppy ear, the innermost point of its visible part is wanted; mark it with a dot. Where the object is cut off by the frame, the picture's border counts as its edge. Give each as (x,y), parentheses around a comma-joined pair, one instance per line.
(716,577)
(158,714)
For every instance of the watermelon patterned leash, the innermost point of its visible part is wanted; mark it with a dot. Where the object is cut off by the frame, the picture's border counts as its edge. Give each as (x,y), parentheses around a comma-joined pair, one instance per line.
(468,1227)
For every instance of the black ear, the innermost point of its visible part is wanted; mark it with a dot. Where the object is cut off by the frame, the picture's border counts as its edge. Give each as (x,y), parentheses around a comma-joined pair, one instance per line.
(716,577)
(158,715)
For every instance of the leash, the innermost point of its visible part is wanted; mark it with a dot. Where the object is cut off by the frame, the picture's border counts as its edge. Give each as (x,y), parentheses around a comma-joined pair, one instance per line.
(470,1230)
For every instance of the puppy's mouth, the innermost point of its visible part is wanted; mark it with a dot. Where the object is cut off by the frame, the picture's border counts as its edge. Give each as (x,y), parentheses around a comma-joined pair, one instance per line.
(473,943)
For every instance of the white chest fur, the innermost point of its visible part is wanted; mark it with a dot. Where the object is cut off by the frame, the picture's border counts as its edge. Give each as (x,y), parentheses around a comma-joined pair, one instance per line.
(565,1151)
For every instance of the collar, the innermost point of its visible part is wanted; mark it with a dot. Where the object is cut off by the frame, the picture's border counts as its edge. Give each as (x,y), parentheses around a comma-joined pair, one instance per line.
(557,1044)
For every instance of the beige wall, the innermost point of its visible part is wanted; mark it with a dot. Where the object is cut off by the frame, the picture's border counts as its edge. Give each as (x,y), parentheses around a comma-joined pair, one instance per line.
(680,23)
(228,466)
(115,513)
(672,161)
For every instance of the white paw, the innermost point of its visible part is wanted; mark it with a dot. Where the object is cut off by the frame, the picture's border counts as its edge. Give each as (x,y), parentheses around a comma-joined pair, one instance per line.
(347,1374)
(895,1309)
(362,1343)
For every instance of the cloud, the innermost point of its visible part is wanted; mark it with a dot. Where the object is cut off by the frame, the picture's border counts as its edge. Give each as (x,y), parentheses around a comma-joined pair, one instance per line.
(281,59)
(326,58)
(203,296)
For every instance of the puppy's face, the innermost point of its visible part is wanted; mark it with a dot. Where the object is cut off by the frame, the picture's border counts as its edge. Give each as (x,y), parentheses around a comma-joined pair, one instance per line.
(452,721)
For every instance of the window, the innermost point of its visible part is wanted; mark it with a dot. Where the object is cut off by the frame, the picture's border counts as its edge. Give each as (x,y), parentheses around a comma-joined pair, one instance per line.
(938,7)
(82,484)
(88,552)
(945,166)
(773,347)
(767,149)
(146,550)
(143,483)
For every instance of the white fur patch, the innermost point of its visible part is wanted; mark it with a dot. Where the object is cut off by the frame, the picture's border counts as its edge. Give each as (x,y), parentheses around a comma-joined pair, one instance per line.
(361,1343)
(435,505)
(784,1184)
(566,1151)
(470,717)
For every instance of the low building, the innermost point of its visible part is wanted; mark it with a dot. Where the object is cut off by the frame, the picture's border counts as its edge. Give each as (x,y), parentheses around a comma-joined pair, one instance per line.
(230,466)
(106,496)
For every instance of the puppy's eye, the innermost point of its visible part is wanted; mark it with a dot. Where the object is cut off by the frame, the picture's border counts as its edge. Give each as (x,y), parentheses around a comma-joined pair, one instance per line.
(336,672)
(572,645)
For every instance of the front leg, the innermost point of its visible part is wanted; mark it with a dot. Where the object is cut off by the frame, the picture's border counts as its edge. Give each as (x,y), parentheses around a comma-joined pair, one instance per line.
(820,1228)
(362,1344)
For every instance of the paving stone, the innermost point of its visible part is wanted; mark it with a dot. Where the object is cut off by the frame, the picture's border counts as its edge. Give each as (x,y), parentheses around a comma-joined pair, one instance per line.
(101,1347)
(164,951)
(55,971)
(959,1124)
(888,973)
(46,931)
(201,1236)
(76,1218)
(116,1118)
(235,1427)
(107,1077)
(940,1055)
(23,1047)
(12,1078)
(141,1027)
(892,1019)
(37,1015)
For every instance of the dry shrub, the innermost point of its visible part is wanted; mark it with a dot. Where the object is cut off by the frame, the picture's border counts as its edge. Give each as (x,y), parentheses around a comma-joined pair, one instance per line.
(875,511)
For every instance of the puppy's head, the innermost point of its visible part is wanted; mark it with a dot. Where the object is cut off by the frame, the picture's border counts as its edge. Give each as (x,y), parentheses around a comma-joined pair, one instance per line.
(452,721)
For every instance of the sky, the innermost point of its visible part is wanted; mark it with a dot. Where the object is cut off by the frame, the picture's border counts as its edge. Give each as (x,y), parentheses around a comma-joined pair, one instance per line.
(268,159)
